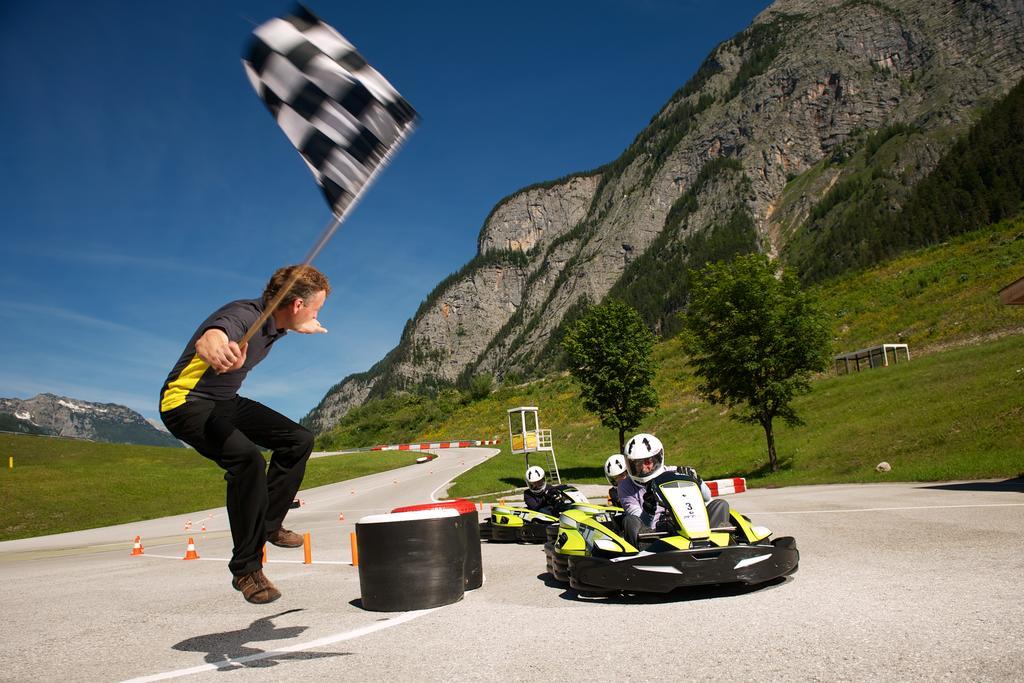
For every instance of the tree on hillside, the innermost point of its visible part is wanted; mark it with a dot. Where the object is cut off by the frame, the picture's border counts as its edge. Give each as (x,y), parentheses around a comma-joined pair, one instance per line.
(754,339)
(609,354)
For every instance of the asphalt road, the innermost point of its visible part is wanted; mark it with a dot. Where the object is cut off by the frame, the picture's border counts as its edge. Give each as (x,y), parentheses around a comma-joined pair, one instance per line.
(897,582)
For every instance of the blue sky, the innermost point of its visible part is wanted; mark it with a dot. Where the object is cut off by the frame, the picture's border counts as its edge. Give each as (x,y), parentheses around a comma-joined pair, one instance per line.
(143,184)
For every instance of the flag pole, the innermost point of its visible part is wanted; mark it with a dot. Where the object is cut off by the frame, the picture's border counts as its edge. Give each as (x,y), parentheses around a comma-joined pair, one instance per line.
(272,305)
(324,238)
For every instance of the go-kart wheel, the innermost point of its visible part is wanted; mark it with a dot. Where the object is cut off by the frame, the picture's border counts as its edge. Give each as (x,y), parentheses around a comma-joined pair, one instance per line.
(559,570)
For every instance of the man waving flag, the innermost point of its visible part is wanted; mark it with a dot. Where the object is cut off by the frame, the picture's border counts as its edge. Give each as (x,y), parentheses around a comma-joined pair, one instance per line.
(346,121)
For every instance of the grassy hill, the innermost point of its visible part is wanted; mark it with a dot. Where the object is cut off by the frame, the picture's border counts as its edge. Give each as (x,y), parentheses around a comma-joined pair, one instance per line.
(970,428)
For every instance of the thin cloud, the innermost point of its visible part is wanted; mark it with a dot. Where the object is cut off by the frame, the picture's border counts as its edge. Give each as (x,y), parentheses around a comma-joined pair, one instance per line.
(117,259)
(40,311)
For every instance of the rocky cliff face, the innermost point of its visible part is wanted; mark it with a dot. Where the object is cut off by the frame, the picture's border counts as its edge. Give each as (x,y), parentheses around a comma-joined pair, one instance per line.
(538,216)
(805,79)
(445,336)
(63,416)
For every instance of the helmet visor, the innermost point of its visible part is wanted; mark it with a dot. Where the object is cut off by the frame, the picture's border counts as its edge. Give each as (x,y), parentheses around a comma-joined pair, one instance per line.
(643,467)
(537,485)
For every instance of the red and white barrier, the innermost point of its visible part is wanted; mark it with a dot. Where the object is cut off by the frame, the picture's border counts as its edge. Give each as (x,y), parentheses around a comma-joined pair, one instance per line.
(435,445)
(722,487)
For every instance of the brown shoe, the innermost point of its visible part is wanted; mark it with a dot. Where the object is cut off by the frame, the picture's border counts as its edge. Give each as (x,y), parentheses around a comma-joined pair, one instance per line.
(256,587)
(283,538)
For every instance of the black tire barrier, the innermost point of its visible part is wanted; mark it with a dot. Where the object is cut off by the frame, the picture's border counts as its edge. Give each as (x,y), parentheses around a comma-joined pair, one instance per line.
(473,565)
(411,560)
(504,534)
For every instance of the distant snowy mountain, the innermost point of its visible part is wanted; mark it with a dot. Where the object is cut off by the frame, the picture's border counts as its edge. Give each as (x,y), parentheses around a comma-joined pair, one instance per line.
(71,417)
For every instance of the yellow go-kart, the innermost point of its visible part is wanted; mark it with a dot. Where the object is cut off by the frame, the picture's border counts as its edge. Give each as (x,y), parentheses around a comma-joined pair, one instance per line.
(520,524)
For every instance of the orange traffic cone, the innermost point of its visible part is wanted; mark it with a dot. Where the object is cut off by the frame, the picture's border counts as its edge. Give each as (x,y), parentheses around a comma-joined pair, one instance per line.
(137,548)
(190,551)
(341,516)
(203,527)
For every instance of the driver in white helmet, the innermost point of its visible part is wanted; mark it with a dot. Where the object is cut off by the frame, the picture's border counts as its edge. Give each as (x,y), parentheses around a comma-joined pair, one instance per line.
(537,495)
(615,471)
(645,462)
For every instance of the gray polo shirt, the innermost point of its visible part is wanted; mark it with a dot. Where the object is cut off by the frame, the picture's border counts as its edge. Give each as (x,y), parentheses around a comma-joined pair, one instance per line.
(191,378)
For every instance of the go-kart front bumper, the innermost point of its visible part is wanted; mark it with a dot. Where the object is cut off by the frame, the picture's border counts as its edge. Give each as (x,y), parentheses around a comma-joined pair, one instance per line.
(528,532)
(661,572)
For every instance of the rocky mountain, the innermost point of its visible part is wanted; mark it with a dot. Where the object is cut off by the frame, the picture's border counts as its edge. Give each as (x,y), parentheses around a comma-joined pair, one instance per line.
(63,416)
(758,150)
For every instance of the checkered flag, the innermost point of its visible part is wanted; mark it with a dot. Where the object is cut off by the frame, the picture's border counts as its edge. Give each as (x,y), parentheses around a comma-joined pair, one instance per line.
(343,117)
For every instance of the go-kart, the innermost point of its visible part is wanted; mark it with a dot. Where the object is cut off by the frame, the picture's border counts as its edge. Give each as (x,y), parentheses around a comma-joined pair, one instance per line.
(508,523)
(591,554)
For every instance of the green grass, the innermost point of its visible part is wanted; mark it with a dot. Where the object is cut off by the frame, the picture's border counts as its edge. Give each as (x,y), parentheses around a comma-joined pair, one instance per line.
(951,415)
(60,485)
(940,295)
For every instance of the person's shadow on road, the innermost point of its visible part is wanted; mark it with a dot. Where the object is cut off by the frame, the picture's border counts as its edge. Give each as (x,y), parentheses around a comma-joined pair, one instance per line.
(228,650)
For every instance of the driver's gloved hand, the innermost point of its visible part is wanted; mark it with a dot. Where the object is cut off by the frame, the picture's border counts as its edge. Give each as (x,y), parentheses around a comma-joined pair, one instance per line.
(690,473)
(650,503)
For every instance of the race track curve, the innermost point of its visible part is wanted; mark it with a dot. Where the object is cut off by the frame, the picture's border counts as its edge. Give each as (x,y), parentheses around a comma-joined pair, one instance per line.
(897,581)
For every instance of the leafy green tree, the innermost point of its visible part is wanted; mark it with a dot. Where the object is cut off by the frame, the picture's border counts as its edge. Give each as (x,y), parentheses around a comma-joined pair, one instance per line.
(480,386)
(754,339)
(609,354)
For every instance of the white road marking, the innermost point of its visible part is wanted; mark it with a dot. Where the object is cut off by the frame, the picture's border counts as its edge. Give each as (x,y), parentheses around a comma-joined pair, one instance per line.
(319,642)
(447,484)
(915,507)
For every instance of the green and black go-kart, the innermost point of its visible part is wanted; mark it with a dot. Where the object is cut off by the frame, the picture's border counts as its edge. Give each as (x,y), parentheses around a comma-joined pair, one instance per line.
(520,524)
(591,554)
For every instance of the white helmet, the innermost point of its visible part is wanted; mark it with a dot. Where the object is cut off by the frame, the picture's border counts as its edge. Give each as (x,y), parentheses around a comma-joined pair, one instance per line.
(614,466)
(535,478)
(645,458)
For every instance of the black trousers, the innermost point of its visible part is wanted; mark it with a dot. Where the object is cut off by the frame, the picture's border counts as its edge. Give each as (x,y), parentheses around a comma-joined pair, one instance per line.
(233,434)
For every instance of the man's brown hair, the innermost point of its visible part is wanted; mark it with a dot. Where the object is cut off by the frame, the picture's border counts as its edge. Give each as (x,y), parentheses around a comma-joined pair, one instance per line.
(308,281)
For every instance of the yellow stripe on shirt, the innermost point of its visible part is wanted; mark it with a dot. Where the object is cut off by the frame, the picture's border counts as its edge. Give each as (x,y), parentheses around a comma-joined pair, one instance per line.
(185,382)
